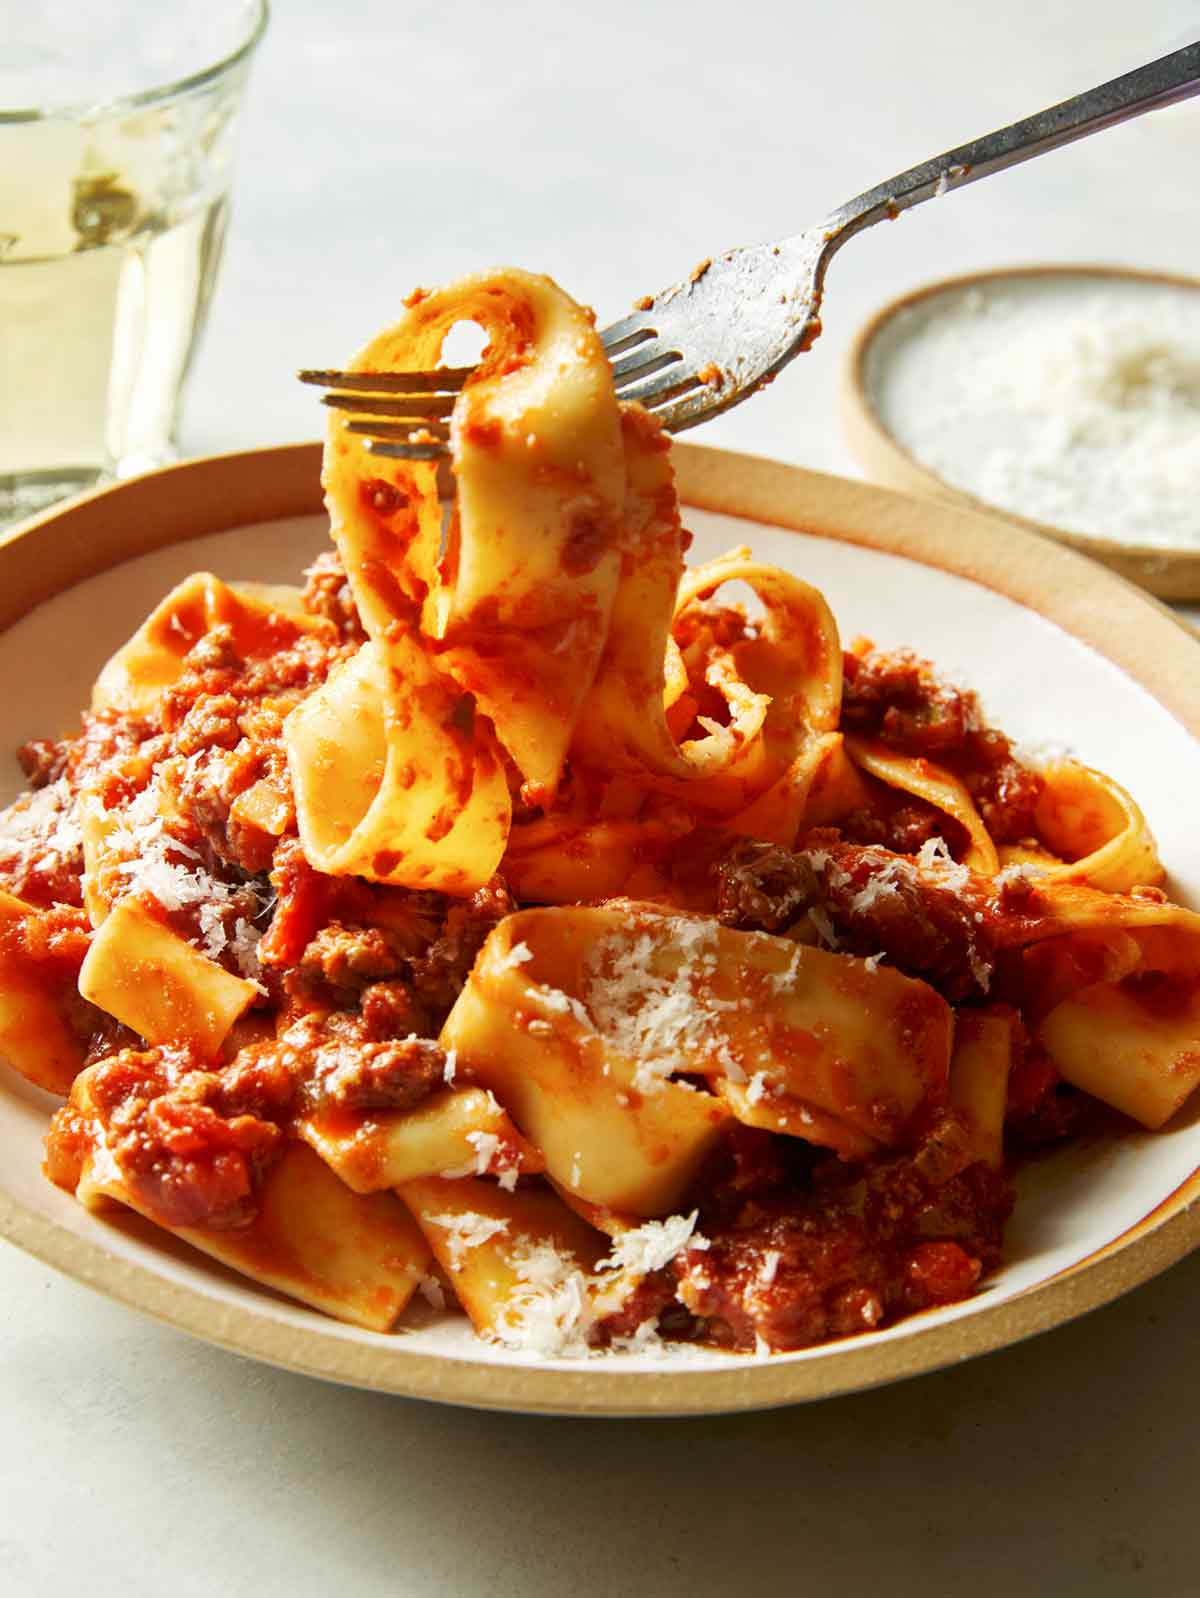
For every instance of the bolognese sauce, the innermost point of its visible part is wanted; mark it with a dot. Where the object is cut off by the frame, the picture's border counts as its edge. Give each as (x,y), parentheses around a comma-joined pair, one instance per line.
(802,1247)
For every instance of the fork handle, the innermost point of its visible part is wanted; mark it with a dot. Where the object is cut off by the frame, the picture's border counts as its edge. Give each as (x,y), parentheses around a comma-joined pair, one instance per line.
(1163,82)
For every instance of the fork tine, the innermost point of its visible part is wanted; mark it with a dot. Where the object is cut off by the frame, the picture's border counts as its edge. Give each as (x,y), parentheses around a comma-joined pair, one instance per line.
(443,379)
(642,361)
(407,452)
(416,405)
(624,334)
(663,384)
(418,431)
(677,412)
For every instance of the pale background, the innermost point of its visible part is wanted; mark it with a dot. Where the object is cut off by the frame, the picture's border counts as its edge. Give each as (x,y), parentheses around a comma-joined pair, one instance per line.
(613,146)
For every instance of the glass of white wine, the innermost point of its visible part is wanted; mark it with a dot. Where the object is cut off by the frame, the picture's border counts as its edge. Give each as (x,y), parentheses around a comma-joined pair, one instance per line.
(117,123)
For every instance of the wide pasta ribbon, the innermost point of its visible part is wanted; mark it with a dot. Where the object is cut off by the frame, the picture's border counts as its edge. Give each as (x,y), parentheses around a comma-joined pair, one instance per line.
(581,1019)
(1086,828)
(539,630)
(1090,831)
(260,617)
(395,777)
(36,1035)
(508,619)
(1112,988)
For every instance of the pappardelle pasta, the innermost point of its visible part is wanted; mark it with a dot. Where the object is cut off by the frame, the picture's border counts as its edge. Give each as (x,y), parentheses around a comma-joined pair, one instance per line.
(513,919)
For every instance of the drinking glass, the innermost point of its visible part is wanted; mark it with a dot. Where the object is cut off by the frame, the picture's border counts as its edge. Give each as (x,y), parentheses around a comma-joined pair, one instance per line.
(117,122)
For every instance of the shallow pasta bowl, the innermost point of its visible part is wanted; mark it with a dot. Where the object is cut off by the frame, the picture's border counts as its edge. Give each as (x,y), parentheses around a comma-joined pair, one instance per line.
(1063,653)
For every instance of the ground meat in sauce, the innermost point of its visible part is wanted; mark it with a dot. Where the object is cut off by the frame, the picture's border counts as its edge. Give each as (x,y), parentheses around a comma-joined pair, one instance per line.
(795,1260)
(869,901)
(334,1061)
(56,941)
(393,1010)
(347,959)
(337,938)
(1041,1110)
(307,900)
(898,698)
(44,760)
(327,593)
(190,1148)
(192,1140)
(653,1299)
(901,823)
(113,754)
(41,848)
(226,719)
(879,903)
(396,1075)
(441,972)
(762,886)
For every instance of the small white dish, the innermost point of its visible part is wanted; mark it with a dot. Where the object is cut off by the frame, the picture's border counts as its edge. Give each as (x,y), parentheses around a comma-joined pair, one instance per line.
(1002,391)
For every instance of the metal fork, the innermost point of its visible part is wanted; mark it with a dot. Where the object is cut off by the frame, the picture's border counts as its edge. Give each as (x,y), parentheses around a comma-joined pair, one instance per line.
(706,344)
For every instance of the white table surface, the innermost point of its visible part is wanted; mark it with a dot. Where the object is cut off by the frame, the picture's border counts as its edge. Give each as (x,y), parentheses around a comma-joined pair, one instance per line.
(613,146)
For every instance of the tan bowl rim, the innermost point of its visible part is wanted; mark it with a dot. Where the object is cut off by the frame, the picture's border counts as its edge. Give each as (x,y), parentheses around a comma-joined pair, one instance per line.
(1169,573)
(215,493)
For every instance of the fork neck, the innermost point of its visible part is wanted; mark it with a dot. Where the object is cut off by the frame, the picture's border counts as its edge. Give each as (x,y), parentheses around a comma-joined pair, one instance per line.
(1160,83)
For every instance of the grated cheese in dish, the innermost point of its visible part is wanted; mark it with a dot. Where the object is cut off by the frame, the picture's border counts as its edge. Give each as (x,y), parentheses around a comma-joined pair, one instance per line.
(655,1016)
(1070,399)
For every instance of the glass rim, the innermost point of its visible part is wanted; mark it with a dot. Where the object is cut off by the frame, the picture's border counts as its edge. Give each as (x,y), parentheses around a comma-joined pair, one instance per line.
(143,98)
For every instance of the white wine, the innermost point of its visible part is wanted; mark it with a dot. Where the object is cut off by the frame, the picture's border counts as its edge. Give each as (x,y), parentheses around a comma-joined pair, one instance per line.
(112,219)
(105,277)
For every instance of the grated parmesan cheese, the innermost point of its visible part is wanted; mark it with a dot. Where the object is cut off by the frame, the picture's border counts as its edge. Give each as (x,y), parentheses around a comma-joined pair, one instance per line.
(824,927)
(491,1158)
(516,956)
(645,1339)
(486,1146)
(933,864)
(1062,400)
(882,884)
(41,825)
(213,936)
(139,832)
(757,1090)
(934,855)
(649,1247)
(245,942)
(560,1003)
(655,1016)
(1022,871)
(465,1231)
(551,1311)
(432,1292)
